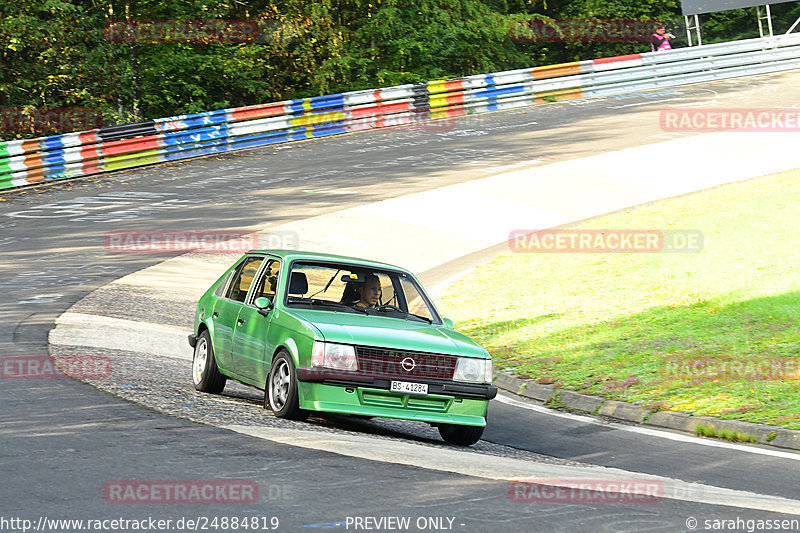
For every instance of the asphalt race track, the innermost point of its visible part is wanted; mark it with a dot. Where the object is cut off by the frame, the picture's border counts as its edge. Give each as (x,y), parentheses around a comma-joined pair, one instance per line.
(62,441)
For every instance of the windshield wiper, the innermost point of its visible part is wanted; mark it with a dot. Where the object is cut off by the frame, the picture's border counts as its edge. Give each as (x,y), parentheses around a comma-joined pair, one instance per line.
(426,319)
(386,307)
(337,304)
(327,284)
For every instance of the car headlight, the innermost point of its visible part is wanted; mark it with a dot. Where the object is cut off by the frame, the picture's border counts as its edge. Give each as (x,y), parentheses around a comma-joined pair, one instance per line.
(473,370)
(334,356)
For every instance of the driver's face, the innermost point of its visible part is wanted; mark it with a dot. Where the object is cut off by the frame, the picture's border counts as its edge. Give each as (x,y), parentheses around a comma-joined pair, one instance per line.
(371,292)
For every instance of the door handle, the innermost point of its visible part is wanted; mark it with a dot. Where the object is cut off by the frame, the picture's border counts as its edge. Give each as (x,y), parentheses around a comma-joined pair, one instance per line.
(240,321)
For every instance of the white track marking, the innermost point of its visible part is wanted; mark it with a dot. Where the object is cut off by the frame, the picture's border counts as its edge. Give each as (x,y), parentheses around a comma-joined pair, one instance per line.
(472,463)
(651,432)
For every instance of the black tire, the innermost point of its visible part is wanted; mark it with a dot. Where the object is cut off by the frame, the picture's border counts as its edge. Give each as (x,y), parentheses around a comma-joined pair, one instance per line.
(281,391)
(460,435)
(205,373)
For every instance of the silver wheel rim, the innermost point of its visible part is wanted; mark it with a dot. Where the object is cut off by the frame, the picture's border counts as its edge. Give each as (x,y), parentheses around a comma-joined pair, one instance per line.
(279,386)
(200,360)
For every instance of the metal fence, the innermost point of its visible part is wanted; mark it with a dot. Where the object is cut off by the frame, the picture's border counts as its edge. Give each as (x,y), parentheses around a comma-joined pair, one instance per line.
(31,161)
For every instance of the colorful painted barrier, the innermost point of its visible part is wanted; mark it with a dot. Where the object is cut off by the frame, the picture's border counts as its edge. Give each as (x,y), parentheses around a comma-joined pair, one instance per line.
(32,161)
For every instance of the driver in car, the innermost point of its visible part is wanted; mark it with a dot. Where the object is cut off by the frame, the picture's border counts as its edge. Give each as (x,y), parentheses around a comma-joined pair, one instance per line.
(369,292)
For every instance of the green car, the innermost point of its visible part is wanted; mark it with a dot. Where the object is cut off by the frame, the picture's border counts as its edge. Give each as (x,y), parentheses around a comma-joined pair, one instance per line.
(320,332)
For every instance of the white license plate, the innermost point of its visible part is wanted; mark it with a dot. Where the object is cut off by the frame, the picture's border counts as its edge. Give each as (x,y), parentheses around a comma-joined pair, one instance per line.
(409,388)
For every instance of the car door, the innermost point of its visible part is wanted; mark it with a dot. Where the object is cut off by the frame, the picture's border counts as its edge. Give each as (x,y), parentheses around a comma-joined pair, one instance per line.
(251,347)
(226,311)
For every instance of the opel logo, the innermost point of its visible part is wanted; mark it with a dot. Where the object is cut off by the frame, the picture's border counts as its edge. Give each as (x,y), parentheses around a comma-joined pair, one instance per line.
(408,364)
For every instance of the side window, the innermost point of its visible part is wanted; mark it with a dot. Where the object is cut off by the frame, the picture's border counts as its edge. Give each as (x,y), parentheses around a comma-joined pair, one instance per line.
(416,304)
(244,278)
(220,290)
(269,280)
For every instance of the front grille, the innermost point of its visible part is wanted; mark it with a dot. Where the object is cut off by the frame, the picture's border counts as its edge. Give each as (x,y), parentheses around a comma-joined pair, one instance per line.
(380,362)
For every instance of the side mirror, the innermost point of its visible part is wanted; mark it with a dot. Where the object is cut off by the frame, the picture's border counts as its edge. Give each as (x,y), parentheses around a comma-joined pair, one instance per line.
(448,323)
(263,304)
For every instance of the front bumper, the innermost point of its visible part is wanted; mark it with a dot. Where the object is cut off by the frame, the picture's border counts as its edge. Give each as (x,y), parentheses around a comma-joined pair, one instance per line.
(477,391)
(371,399)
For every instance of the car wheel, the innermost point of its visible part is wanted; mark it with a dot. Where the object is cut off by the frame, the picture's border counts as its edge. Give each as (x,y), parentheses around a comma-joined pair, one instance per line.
(205,373)
(281,394)
(461,435)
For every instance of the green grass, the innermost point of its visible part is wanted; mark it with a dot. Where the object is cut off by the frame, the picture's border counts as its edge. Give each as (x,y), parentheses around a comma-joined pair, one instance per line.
(649,328)
(727,434)
(555,402)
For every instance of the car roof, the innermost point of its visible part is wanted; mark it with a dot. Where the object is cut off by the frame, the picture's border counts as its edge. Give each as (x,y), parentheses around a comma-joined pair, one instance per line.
(291,255)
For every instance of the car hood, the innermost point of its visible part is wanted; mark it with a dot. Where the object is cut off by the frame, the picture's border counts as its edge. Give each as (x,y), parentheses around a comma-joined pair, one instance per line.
(387,332)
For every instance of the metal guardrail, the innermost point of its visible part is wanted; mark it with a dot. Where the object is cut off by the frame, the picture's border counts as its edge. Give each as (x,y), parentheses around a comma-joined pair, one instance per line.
(31,161)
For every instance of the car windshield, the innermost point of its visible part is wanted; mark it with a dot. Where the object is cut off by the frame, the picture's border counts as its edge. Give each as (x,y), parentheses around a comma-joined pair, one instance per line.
(350,288)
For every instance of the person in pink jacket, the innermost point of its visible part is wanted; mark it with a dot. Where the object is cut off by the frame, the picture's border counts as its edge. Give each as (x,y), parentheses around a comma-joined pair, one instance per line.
(659,41)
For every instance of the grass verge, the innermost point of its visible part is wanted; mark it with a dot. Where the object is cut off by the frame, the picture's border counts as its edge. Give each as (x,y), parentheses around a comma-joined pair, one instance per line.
(711,333)
(734,436)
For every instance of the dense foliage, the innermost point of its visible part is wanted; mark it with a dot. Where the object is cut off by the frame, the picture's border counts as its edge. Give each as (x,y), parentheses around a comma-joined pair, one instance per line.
(61,53)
